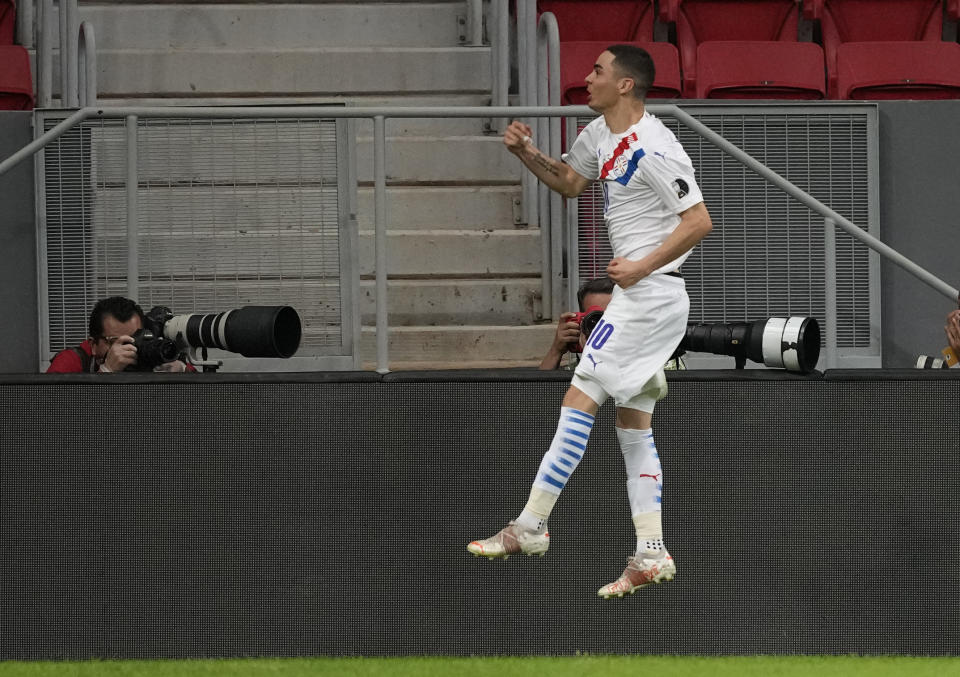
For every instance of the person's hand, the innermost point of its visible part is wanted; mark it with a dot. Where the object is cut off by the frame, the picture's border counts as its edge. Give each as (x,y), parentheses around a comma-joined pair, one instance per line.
(121,354)
(952,328)
(625,272)
(174,367)
(517,136)
(568,331)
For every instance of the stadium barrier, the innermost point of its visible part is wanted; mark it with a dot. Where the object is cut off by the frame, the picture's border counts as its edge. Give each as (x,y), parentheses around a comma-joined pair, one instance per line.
(328,514)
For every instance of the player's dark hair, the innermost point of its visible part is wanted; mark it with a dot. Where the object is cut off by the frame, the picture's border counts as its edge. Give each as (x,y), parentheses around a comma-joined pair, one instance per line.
(600,285)
(121,308)
(635,63)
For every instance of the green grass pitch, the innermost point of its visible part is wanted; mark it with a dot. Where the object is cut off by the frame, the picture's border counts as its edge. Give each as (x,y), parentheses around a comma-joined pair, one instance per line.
(581,666)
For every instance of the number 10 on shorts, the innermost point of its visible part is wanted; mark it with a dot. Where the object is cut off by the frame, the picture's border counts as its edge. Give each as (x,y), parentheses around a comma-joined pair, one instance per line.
(600,334)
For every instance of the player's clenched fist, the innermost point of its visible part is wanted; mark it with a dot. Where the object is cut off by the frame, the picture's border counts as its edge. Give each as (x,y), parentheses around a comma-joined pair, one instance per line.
(517,136)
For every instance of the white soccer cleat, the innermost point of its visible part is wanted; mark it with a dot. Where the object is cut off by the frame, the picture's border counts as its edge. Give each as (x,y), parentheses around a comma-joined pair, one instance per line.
(511,540)
(641,571)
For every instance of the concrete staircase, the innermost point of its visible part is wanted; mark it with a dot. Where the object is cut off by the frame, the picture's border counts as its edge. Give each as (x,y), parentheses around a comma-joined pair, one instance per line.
(464,284)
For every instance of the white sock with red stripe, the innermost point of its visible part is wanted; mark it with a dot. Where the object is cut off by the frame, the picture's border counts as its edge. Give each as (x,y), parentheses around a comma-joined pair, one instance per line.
(644,486)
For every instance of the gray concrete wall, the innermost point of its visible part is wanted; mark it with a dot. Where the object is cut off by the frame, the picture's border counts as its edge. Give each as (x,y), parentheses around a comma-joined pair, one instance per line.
(18,251)
(919,207)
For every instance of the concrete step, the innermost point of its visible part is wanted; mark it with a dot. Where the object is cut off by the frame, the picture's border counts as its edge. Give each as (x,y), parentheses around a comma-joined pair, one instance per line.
(508,301)
(273,152)
(458,159)
(436,207)
(308,71)
(249,208)
(198,26)
(460,253)
(200,210)
(394,126)
(466,346)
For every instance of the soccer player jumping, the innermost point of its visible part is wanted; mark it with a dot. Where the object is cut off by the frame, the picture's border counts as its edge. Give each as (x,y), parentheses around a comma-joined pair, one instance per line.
(655,215)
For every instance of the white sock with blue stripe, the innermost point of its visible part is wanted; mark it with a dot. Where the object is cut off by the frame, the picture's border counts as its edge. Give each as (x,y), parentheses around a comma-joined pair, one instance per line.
(561,459)
(644,486)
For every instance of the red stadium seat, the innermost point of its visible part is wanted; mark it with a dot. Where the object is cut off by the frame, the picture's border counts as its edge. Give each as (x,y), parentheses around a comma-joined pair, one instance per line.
(610,20)
(577,59)
(8,21)
(744,49)
(887,49)
(16,87)
(588,27)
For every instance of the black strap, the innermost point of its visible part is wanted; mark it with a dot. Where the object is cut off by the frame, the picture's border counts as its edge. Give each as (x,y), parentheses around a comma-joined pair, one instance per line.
(674,273)
(86,362)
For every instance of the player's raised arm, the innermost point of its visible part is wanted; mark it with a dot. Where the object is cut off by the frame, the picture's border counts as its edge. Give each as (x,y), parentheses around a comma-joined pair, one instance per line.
(554,173)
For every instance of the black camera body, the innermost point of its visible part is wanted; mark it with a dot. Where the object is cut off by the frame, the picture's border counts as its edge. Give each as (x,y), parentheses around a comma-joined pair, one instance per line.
(153,348)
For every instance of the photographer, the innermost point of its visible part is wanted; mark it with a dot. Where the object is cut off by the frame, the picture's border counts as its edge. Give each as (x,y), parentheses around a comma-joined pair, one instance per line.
(110,346)
(952,329)
(594,293)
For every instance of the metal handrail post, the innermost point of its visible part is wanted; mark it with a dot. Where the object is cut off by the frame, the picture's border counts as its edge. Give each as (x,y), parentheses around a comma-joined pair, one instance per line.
(499,59)
(87,69)
(63,25)
(527,96)
(44,28)
(573,230)
(546,32)
(69,29)
(501,97)
(475,20)
(380,239)
(830,291)
(25,18)
(548,131)
(555,149)
(133,215)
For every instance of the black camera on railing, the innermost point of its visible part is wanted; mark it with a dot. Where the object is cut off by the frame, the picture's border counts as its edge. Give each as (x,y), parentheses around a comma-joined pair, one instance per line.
(786,343)
(252,331)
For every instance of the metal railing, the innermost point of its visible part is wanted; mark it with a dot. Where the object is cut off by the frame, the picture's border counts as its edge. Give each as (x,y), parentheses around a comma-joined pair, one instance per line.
(549,203)
(78,54)
(474,23)
(379,115)
(499,31)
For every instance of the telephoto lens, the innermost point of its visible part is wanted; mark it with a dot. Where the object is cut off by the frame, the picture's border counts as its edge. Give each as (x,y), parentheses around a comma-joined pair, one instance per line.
(786,343)
(927,362)
(252,331)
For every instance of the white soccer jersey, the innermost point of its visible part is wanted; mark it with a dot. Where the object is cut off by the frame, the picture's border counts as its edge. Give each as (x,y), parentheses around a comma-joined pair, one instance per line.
(647,181)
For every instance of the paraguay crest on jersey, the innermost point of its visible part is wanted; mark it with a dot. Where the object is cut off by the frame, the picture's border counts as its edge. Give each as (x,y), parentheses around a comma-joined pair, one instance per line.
(621,166)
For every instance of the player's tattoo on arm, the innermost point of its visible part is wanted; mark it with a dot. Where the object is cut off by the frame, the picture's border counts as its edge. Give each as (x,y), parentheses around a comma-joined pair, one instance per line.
(544,162)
